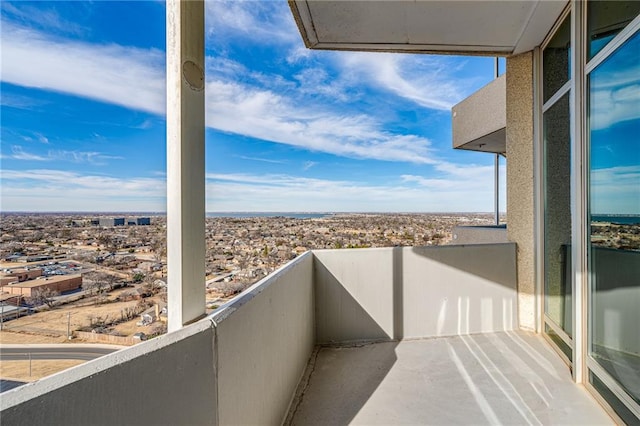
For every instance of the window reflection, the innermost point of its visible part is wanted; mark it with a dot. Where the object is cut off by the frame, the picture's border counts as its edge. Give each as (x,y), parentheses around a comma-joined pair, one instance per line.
(556,60)
(607,18)
(557,213)
(614,131)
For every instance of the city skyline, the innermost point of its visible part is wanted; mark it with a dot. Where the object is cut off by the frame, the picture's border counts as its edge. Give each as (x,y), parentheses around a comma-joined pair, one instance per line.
(288,129)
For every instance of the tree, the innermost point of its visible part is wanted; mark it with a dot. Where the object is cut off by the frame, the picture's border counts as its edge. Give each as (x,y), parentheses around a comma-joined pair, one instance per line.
(159,247)
(98,283)
(44,296)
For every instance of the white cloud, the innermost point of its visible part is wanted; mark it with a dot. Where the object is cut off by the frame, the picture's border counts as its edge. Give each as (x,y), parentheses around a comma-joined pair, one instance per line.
(134,78)
(54,190)
(616,190)
(241,192)
(263,114)
(424,80)
(39,16)
(126,76)
(262,160)
(91,157)
(262,21)
(17,153)
(615,86)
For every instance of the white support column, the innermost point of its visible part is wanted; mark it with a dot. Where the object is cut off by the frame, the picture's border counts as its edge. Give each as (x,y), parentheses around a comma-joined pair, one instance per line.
(185,162)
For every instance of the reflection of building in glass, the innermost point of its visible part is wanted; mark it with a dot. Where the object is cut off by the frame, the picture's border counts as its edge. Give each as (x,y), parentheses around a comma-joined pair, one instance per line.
(290,349)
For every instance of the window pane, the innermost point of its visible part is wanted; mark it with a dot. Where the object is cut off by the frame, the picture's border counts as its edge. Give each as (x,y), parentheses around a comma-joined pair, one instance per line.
(607,18)
(555,60)
(566,349)
(618,406)
(557,213)
(614,254)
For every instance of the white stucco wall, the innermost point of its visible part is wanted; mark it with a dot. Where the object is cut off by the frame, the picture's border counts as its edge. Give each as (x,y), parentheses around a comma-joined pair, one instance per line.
(414,292)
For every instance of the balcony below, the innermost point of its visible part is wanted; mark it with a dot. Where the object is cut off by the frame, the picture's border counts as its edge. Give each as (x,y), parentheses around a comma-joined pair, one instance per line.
(479,122)
(480,234)
(387,335)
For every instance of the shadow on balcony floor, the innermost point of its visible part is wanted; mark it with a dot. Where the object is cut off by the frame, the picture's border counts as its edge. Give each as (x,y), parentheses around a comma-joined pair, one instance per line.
(498,378)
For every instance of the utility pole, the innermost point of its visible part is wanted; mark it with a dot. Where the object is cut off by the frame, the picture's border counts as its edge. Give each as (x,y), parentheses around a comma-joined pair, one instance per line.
(68,325)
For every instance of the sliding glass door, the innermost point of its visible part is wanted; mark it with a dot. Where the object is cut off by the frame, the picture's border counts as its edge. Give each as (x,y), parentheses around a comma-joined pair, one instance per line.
(590,198)
(613,132)
(556,188)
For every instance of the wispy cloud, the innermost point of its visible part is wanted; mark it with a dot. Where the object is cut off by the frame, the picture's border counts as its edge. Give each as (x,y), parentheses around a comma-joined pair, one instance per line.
(134,78)
(54,190)
(266,115)
(126,76)
(262,22)
(615,190)
(17,153)
(308,164)
(42,17)
(426,81)
(615,88)
(91,157)
(263,160)
(20,102)
(229,192)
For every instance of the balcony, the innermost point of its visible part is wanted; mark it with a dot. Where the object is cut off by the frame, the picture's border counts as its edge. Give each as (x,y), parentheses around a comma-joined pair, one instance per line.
(388,335)
(479,122)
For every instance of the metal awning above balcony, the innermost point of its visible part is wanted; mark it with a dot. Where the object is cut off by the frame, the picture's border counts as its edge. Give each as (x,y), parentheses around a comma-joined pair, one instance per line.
(467,27)
(479,122)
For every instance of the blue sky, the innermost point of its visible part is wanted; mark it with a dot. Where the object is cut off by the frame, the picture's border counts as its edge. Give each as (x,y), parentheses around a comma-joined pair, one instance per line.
(288,129)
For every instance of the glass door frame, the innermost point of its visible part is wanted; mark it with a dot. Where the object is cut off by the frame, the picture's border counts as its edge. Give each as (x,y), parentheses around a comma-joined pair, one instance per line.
(540,107)
(589,364)
(582,364)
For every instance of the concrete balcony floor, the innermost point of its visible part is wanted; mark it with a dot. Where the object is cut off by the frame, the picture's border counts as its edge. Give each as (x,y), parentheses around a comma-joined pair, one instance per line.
(494,378)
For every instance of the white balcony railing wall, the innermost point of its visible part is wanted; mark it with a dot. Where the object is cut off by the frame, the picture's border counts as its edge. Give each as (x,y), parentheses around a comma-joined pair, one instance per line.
(242,364)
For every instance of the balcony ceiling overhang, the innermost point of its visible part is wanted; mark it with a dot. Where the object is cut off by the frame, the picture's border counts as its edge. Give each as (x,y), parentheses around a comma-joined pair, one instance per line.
(477,27)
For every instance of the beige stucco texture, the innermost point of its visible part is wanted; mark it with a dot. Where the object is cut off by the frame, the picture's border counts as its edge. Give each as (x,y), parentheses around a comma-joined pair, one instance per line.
(520,180)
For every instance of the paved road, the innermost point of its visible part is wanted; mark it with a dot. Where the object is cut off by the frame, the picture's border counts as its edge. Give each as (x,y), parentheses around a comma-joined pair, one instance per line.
(69,351)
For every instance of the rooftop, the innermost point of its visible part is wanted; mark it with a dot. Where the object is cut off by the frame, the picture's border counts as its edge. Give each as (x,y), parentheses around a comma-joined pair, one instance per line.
(36,282)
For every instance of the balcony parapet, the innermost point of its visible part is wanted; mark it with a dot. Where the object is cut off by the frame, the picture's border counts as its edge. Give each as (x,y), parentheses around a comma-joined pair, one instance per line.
(488,234)
(242,365)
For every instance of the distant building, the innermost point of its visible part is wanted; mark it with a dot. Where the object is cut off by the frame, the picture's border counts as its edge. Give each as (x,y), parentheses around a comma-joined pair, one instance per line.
(138,221)
(19,275)
(111,221)
(60,284)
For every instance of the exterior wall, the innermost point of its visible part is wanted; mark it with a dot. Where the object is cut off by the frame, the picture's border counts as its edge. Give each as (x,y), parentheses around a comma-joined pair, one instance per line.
(264,341)
(7,280)
(165,381)
(520,181)
(414,292)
